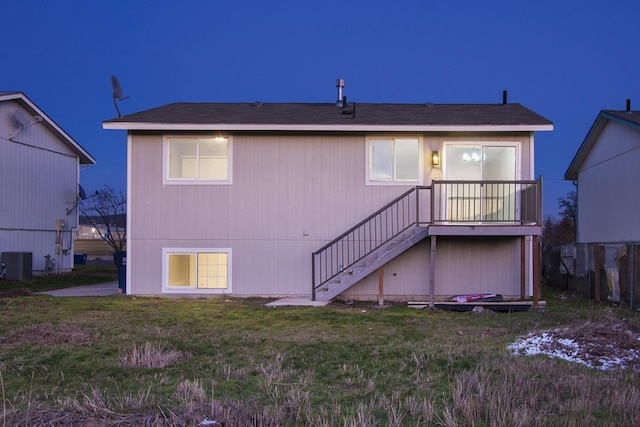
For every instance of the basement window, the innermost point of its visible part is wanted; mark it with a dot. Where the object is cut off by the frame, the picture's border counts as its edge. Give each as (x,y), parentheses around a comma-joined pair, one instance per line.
(394,160)
(197,270)
(197,160)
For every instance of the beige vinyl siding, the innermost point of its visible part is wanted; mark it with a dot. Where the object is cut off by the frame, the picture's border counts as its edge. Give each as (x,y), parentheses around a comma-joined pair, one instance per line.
(290,195)
(463,266)
(608,188)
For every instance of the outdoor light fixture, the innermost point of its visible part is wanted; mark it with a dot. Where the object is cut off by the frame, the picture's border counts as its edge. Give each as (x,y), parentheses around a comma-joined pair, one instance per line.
(435,158)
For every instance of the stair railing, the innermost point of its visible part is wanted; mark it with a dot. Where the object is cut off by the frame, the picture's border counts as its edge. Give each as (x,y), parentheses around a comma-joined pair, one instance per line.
(366,237)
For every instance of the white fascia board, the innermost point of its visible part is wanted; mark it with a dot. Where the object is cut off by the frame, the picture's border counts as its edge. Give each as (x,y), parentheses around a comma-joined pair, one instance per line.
(321,128)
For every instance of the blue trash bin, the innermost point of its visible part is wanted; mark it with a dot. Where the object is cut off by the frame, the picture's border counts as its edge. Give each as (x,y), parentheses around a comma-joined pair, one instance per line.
(120,260)
(80,259)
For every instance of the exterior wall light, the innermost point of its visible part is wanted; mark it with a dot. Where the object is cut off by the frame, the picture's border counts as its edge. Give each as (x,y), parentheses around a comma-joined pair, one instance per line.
(435,158)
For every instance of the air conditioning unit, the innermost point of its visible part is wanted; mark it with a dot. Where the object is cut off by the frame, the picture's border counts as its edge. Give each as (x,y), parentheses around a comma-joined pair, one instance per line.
(19,265)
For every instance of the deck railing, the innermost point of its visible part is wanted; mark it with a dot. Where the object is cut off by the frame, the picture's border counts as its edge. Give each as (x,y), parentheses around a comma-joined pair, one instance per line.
(451,202)
(487,202)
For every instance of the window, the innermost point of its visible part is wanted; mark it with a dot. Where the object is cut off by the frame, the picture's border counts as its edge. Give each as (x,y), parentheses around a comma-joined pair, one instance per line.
(197,270)
(394,160)
(197,160)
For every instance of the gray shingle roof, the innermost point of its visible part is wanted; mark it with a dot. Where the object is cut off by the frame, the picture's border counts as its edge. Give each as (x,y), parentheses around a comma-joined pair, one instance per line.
(330,114)
(629,116)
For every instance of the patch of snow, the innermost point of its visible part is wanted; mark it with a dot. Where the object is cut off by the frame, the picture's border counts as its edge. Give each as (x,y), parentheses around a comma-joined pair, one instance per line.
(604,357)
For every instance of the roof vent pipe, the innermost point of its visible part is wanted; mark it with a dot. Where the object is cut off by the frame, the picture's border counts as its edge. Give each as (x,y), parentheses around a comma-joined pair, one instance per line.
(628,105)
(340,86)
(504,97)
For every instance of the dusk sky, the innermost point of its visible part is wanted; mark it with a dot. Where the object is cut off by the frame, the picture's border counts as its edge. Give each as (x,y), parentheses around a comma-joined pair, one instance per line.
(566,60)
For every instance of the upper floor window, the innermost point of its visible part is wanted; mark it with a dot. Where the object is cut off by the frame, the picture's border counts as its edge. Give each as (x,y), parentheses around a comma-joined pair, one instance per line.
(197,160)
(394,160)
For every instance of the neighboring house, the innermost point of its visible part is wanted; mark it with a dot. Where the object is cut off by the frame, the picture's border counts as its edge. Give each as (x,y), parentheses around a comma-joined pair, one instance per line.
(606,170)
(89,232)
(333,199)
(40,173)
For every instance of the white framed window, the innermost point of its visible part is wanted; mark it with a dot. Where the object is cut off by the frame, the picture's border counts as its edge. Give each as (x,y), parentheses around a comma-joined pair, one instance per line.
(197,160)
(196,270)
(394,160)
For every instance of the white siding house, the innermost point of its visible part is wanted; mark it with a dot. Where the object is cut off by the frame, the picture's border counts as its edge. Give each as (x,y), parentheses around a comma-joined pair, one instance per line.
(40,172)
(606,170)
(328,200)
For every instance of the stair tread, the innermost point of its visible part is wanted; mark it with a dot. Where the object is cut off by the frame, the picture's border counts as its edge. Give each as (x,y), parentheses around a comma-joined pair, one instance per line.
(371,262)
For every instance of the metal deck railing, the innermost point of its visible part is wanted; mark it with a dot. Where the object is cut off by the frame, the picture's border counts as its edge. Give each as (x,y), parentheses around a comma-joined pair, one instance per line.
(487,202)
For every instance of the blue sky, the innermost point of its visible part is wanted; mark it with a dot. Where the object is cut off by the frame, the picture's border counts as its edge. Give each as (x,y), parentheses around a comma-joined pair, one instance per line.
(566,60)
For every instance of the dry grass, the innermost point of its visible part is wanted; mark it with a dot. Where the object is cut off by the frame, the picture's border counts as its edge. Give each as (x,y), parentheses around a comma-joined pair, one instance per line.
(48,335)
(150,355)
(232,362)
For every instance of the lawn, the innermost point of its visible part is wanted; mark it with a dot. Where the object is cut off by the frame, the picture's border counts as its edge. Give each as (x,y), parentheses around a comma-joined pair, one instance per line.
(125,360)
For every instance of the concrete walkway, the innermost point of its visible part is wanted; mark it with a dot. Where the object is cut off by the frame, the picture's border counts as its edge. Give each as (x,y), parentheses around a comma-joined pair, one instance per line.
(297,302)
(101,289)
(111,288)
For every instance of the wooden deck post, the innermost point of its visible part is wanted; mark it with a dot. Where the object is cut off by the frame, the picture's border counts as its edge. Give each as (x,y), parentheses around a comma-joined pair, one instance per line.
(537,270)
(381,286)
(432,274)
(523,269)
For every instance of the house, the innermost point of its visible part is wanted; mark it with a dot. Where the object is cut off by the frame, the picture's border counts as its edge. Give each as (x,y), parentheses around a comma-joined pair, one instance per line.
(40,169)
(332,200)
(606,171)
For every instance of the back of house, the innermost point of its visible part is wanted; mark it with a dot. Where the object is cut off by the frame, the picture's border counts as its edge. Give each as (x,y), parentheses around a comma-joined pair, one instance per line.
(325,200)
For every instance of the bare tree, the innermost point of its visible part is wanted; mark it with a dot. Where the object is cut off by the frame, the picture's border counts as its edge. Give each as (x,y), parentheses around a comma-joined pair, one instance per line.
(569,207)
(106,211)
(569,214)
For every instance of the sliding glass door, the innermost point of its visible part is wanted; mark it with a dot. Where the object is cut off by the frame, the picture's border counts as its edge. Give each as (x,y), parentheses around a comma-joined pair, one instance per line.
(474,193)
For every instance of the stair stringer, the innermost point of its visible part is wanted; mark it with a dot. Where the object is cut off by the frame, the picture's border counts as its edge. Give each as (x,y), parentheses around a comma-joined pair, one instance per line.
(371,263)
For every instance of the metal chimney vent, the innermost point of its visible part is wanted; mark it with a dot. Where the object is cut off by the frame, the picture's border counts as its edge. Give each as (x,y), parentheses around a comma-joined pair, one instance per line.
(340,86)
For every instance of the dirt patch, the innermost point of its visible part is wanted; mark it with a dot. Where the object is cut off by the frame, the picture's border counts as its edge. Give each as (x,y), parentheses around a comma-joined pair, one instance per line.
(48,335)
(13,293)
(606,344)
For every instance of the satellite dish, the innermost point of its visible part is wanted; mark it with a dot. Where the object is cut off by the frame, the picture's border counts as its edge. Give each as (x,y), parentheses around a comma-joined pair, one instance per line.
(117,89)
(81,193)
(117,93)
(23,120)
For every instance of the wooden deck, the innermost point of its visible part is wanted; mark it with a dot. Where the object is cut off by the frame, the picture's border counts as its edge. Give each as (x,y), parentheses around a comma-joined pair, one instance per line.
(504,306)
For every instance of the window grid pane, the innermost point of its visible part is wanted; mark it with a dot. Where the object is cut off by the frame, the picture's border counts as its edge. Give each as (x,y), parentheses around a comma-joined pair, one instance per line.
(382,160)
(182,155)
(406,159)
(182,270)
(212,270)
